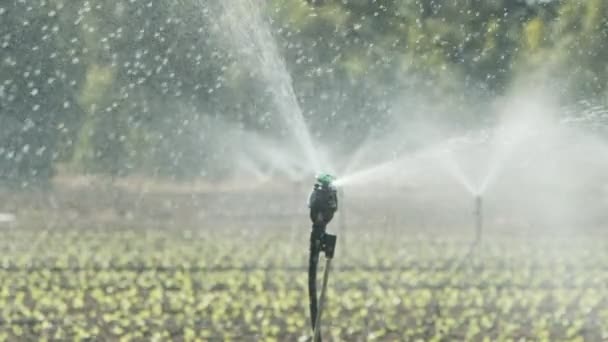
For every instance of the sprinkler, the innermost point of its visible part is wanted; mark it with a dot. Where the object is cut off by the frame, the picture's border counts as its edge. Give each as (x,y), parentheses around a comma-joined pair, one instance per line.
(323,203)
(478,214)
(342,218)
(478,219)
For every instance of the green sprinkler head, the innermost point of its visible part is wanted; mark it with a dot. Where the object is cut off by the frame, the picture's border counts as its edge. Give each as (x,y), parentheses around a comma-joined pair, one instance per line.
(325,179)
(323,200)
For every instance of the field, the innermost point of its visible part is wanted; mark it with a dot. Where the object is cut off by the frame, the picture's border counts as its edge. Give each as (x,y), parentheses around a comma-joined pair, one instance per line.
(110,279)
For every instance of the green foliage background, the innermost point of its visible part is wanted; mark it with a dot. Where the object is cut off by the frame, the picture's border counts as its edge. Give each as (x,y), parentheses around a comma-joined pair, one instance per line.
(119,87)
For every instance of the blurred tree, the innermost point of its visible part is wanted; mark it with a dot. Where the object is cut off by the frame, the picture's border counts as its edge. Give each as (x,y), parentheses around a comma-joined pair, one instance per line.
(117,86)
(153,60)
(39,72)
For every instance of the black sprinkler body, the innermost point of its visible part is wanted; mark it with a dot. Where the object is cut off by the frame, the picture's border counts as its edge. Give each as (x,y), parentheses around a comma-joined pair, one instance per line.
(323,201)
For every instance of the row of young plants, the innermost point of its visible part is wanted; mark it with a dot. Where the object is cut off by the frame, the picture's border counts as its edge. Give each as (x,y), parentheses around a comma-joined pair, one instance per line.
(161,285)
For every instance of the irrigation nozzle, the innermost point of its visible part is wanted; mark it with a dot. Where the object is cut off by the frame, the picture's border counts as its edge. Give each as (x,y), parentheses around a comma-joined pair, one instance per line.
(323,203)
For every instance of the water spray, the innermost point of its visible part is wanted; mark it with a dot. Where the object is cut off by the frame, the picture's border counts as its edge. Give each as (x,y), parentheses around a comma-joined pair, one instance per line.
(250,35)
(323,203)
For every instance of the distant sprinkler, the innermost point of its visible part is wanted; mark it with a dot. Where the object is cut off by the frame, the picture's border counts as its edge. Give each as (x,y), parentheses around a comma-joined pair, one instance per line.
(478,218)
(342,217)
(323,203)
(478,215)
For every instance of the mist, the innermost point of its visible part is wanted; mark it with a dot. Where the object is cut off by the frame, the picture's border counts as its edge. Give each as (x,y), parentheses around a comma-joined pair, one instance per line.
(303,170)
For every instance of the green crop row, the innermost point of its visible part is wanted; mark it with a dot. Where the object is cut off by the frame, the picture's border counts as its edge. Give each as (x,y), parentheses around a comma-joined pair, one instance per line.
(173,285)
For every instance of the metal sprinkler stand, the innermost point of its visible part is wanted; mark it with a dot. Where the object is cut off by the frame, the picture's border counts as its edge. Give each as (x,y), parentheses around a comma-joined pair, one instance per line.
(323,203)
(330,245)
